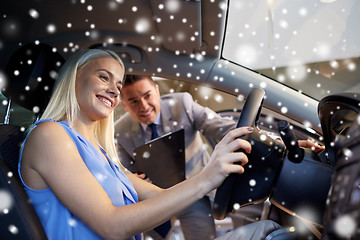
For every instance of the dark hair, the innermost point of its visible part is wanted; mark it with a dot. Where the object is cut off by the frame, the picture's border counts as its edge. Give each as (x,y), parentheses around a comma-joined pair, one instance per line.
(131,79)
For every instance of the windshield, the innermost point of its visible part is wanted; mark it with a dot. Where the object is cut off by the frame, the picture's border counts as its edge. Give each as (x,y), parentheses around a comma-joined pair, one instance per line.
(312,46)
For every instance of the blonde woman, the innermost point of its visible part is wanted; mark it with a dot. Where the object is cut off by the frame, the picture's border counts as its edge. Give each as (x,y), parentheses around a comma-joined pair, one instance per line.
(68,171)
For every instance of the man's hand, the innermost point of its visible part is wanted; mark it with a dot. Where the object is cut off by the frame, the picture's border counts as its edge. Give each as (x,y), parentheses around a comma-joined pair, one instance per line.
(309,144)
(143,176)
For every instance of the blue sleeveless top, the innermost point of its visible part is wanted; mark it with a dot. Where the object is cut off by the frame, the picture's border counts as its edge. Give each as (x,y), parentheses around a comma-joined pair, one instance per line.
(58,222)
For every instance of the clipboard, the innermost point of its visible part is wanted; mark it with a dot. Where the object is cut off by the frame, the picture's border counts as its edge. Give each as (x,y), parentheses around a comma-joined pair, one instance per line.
(163,159)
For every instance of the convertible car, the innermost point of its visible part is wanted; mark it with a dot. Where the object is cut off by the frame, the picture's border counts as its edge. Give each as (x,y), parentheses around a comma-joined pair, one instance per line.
(287,67)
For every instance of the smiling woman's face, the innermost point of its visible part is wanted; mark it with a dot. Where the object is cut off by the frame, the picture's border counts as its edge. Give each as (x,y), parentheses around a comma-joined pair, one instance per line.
(98,87)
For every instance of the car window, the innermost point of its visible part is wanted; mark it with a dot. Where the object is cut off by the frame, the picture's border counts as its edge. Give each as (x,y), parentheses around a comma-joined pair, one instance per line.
(311,46)
(17,115)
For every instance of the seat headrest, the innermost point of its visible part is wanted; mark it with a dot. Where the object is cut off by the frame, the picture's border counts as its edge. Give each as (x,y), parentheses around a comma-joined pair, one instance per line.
(31,73)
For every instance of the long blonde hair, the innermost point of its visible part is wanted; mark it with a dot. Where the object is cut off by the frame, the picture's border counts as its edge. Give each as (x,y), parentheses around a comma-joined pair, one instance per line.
(64,105)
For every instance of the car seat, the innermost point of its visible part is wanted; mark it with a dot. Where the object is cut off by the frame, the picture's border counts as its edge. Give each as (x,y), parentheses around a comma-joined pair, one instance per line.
(30,75)
(340,120)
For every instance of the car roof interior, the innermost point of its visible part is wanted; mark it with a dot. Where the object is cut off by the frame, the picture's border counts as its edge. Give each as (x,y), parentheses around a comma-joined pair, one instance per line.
(149,41)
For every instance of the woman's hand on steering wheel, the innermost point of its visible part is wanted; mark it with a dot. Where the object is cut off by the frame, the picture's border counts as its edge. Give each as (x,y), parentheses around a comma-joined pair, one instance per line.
(225,160)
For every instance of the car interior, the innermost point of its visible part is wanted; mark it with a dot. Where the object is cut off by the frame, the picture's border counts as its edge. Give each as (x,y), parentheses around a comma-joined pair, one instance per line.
(185,45)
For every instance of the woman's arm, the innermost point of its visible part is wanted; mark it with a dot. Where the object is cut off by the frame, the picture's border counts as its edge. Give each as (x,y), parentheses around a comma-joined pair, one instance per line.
(144,188)
(51,160)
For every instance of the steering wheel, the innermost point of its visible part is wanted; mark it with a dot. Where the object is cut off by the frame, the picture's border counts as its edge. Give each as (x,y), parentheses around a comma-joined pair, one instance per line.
(265,160)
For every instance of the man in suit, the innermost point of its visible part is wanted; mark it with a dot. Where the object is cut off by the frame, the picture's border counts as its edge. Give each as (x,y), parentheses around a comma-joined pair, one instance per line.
(141,98)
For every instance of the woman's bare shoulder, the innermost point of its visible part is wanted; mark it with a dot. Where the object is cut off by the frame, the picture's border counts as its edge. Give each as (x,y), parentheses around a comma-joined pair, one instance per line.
(49,138)
(46,150)
(46,130)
